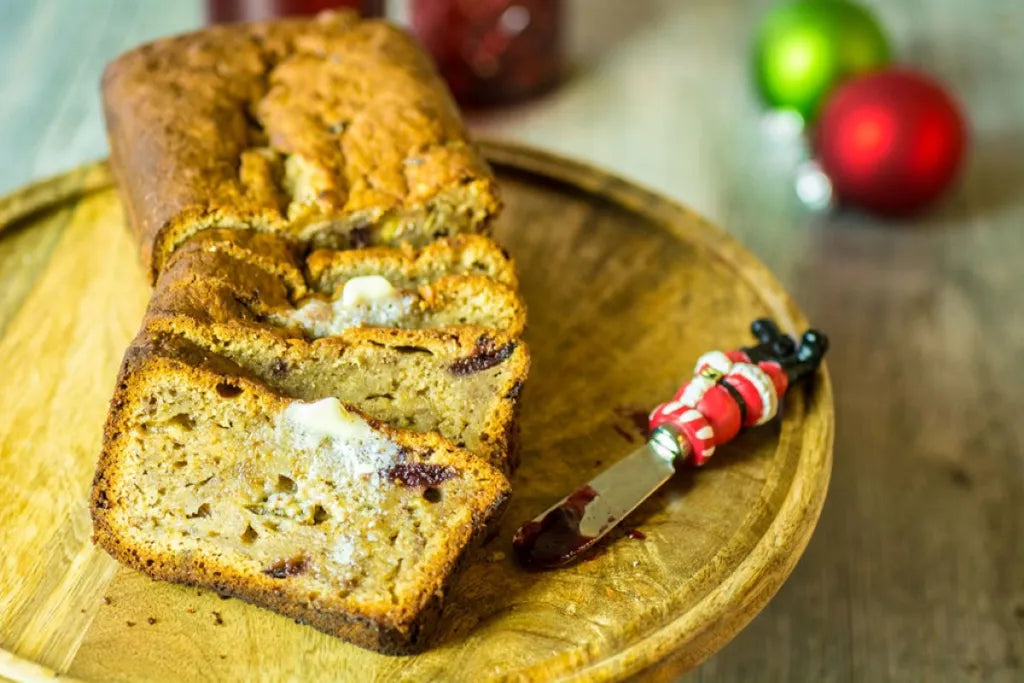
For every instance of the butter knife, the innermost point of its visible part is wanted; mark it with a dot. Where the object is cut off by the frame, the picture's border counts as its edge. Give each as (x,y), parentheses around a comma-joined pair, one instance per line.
(729,391)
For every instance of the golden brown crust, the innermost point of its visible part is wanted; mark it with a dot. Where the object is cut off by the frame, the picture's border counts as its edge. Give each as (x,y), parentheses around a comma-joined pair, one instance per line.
(310,128)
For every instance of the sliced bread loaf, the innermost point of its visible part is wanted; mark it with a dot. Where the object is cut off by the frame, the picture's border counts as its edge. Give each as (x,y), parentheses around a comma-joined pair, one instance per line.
(317,431)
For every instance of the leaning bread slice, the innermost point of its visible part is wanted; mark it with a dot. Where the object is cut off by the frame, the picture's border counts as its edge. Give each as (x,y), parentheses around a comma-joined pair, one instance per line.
(330,131)
(373,301)
(461,280)
(222,274)
(465,385)
(220,296)
(407,267)
(310,509)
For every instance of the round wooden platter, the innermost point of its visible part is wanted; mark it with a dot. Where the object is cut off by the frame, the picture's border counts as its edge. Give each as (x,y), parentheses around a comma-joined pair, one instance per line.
(625,289)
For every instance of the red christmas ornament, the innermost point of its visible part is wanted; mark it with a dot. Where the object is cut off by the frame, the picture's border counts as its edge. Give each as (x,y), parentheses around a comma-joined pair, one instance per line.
(890,141)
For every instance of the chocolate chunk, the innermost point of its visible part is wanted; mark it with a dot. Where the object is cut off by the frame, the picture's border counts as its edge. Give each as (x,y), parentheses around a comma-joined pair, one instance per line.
(419,474)
(485,355)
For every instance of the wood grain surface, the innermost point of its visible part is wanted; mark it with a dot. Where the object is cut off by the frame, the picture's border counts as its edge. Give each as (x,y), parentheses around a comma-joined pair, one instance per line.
(916,571)
(625,290)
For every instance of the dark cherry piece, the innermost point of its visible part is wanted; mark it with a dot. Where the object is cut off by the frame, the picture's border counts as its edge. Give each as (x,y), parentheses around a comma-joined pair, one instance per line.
(556,539)
(419,474)
(485,355)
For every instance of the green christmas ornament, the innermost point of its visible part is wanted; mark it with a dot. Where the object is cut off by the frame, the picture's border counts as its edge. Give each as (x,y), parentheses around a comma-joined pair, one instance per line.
(805,47)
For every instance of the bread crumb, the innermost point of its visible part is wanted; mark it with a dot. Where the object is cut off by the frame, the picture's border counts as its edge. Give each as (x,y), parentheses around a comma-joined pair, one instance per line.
(107,600)
(151,620)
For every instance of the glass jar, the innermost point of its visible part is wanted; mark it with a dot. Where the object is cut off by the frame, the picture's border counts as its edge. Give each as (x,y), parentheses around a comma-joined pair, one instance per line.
(220,11)
(492,51)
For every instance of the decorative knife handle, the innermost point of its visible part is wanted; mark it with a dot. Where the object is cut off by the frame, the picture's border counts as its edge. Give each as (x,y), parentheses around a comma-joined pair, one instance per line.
(732,390)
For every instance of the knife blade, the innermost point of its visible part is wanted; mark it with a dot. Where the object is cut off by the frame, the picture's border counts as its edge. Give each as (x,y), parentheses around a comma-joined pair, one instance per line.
(728,391)
(559,534)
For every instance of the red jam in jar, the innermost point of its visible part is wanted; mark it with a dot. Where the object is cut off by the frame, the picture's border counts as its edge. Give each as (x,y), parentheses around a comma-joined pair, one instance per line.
(492,51)
(221,11)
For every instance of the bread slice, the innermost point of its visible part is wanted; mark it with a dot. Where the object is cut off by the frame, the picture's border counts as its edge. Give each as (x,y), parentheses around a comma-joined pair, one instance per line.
(223,274)
(463,280)
(407,268)
(313,510)
(371,301)
(222,292)
(330,131)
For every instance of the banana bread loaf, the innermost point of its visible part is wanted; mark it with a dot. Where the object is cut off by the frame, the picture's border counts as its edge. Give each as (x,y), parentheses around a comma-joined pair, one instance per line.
(331,131)
(319,412)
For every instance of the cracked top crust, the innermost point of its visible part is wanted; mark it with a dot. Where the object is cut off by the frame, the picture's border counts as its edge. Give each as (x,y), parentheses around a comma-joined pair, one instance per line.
(331,131)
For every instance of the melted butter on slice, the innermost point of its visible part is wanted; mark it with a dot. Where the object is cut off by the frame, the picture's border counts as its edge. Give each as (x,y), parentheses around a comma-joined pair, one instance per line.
(367,300)
(325,419)
(334,439)
(367,289)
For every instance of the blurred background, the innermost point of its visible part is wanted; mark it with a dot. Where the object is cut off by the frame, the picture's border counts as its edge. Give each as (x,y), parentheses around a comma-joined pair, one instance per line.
(916,571)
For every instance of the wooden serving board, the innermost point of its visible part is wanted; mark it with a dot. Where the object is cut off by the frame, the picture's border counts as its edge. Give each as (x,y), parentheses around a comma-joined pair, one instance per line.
(625,289)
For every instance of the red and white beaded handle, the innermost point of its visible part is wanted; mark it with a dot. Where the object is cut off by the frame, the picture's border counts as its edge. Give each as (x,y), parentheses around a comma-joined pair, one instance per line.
(736,389)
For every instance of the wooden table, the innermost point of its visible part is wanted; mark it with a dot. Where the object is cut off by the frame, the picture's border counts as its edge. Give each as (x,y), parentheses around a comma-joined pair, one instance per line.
(917,568)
